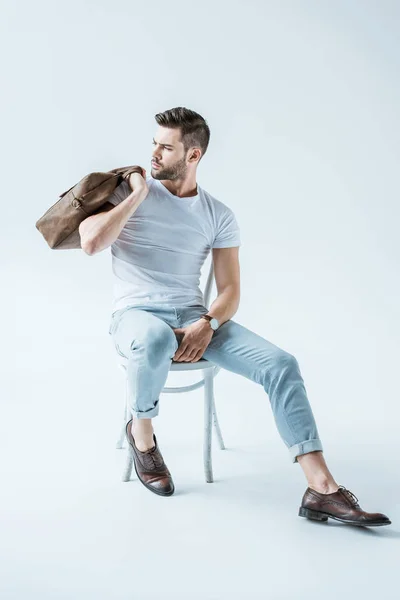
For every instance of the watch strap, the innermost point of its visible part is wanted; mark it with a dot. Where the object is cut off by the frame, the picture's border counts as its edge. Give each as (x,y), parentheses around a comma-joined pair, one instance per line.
(207,317)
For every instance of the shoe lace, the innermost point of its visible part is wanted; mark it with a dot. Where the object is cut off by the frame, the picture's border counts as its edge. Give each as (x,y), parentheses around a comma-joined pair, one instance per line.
(153,459)
(352,497)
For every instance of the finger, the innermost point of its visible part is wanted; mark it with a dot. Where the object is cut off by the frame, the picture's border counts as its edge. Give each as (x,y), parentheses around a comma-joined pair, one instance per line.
(186,355)
(191,354)
(194,353)
(198,356)
(180,351)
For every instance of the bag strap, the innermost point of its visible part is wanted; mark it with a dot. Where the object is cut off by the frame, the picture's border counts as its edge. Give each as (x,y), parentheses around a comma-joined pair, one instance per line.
(124,171)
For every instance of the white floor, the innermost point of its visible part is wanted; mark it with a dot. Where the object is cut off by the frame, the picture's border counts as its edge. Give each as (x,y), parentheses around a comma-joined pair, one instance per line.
(71,529)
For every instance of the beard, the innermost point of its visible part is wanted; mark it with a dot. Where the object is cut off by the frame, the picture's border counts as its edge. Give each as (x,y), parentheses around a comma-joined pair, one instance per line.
(176,171)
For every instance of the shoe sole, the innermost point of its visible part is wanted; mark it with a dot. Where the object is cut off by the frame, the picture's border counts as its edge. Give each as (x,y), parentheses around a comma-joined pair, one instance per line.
(316,515)
(131,450)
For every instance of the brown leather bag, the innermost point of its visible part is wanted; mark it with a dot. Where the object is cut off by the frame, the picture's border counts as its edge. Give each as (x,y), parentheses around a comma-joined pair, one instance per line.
(60,223)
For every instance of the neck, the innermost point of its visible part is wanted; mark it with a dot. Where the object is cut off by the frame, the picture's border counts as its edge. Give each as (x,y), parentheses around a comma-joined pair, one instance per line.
(182,189)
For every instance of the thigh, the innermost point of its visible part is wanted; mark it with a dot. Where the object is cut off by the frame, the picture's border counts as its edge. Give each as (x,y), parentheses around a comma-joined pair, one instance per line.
(140,327)
(240,350)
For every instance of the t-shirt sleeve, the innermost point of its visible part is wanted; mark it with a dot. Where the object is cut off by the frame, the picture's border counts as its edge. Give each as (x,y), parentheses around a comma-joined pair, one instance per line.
(228,232)
(121,192)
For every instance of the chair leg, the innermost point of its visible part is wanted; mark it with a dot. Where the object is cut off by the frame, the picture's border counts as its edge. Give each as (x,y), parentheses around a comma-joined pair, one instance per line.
(122,438)
(208,415)
(127,472)
(217,428)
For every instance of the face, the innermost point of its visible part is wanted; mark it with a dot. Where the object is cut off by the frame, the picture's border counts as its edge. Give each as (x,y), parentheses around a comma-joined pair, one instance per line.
(169,156)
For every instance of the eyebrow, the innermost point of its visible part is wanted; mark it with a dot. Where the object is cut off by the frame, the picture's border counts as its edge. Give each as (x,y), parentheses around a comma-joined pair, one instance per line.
(165,145)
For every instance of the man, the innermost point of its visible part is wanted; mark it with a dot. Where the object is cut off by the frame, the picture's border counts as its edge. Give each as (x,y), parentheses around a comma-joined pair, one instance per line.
(161,228)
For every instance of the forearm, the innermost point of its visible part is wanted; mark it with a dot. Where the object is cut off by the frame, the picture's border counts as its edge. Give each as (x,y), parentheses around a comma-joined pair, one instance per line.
(225,304)
(101,230)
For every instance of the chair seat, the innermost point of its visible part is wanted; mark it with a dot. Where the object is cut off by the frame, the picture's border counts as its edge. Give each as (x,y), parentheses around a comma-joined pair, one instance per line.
(202,363)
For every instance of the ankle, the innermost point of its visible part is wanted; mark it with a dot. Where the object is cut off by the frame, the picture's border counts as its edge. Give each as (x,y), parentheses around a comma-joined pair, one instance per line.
(324,486)
(142,425)
(143,433)
(144,445)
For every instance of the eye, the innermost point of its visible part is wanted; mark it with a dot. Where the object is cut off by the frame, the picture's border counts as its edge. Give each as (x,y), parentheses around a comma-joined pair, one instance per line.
(169,149)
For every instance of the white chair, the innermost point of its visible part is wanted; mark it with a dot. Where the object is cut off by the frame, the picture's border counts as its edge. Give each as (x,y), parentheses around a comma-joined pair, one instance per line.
(210,414)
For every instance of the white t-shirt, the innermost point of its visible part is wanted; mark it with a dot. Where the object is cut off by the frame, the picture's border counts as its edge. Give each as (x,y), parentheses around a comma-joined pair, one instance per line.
(158,255)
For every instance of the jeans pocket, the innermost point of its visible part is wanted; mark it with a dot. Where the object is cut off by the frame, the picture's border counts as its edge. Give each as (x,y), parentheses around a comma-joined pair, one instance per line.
(189,315)
(113,323)
(110,328)
(115,318)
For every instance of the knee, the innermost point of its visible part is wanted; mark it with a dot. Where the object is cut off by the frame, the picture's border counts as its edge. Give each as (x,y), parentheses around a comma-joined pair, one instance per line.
(156,343)
(285,360)
(281,365)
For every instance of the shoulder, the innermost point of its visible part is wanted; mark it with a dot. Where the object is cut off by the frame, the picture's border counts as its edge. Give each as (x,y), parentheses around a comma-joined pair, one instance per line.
(219,208)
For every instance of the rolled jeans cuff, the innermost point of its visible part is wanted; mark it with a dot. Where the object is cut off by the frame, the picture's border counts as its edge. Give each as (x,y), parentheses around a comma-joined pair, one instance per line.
(304,448)
(148,414)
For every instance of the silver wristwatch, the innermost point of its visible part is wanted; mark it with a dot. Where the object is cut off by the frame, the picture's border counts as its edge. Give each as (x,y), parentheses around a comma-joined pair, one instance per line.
(213,322)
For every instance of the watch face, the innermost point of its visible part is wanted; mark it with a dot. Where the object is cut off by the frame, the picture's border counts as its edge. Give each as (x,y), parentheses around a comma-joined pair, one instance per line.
(214,324)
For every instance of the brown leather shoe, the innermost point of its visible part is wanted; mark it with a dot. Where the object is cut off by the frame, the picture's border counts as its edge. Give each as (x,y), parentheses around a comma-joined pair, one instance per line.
(341,506)
(150,466)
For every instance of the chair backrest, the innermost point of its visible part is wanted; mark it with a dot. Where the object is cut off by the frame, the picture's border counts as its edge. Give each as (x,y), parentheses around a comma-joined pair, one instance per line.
(208,288)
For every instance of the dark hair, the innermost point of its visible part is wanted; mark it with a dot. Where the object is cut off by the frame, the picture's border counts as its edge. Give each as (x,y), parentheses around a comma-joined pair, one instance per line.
(194,129)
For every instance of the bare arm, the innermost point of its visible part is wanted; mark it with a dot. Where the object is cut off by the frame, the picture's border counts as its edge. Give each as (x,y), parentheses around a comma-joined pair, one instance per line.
(99,231)
(227,278)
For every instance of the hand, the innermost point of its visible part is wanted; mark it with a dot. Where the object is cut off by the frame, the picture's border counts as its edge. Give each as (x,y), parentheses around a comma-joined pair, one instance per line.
(196,338)
(136,181)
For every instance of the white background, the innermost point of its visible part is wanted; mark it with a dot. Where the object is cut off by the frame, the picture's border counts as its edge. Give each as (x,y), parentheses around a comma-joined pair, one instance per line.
(302,99)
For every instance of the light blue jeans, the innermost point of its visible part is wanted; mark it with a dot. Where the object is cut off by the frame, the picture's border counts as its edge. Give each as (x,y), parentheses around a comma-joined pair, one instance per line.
(143,334)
